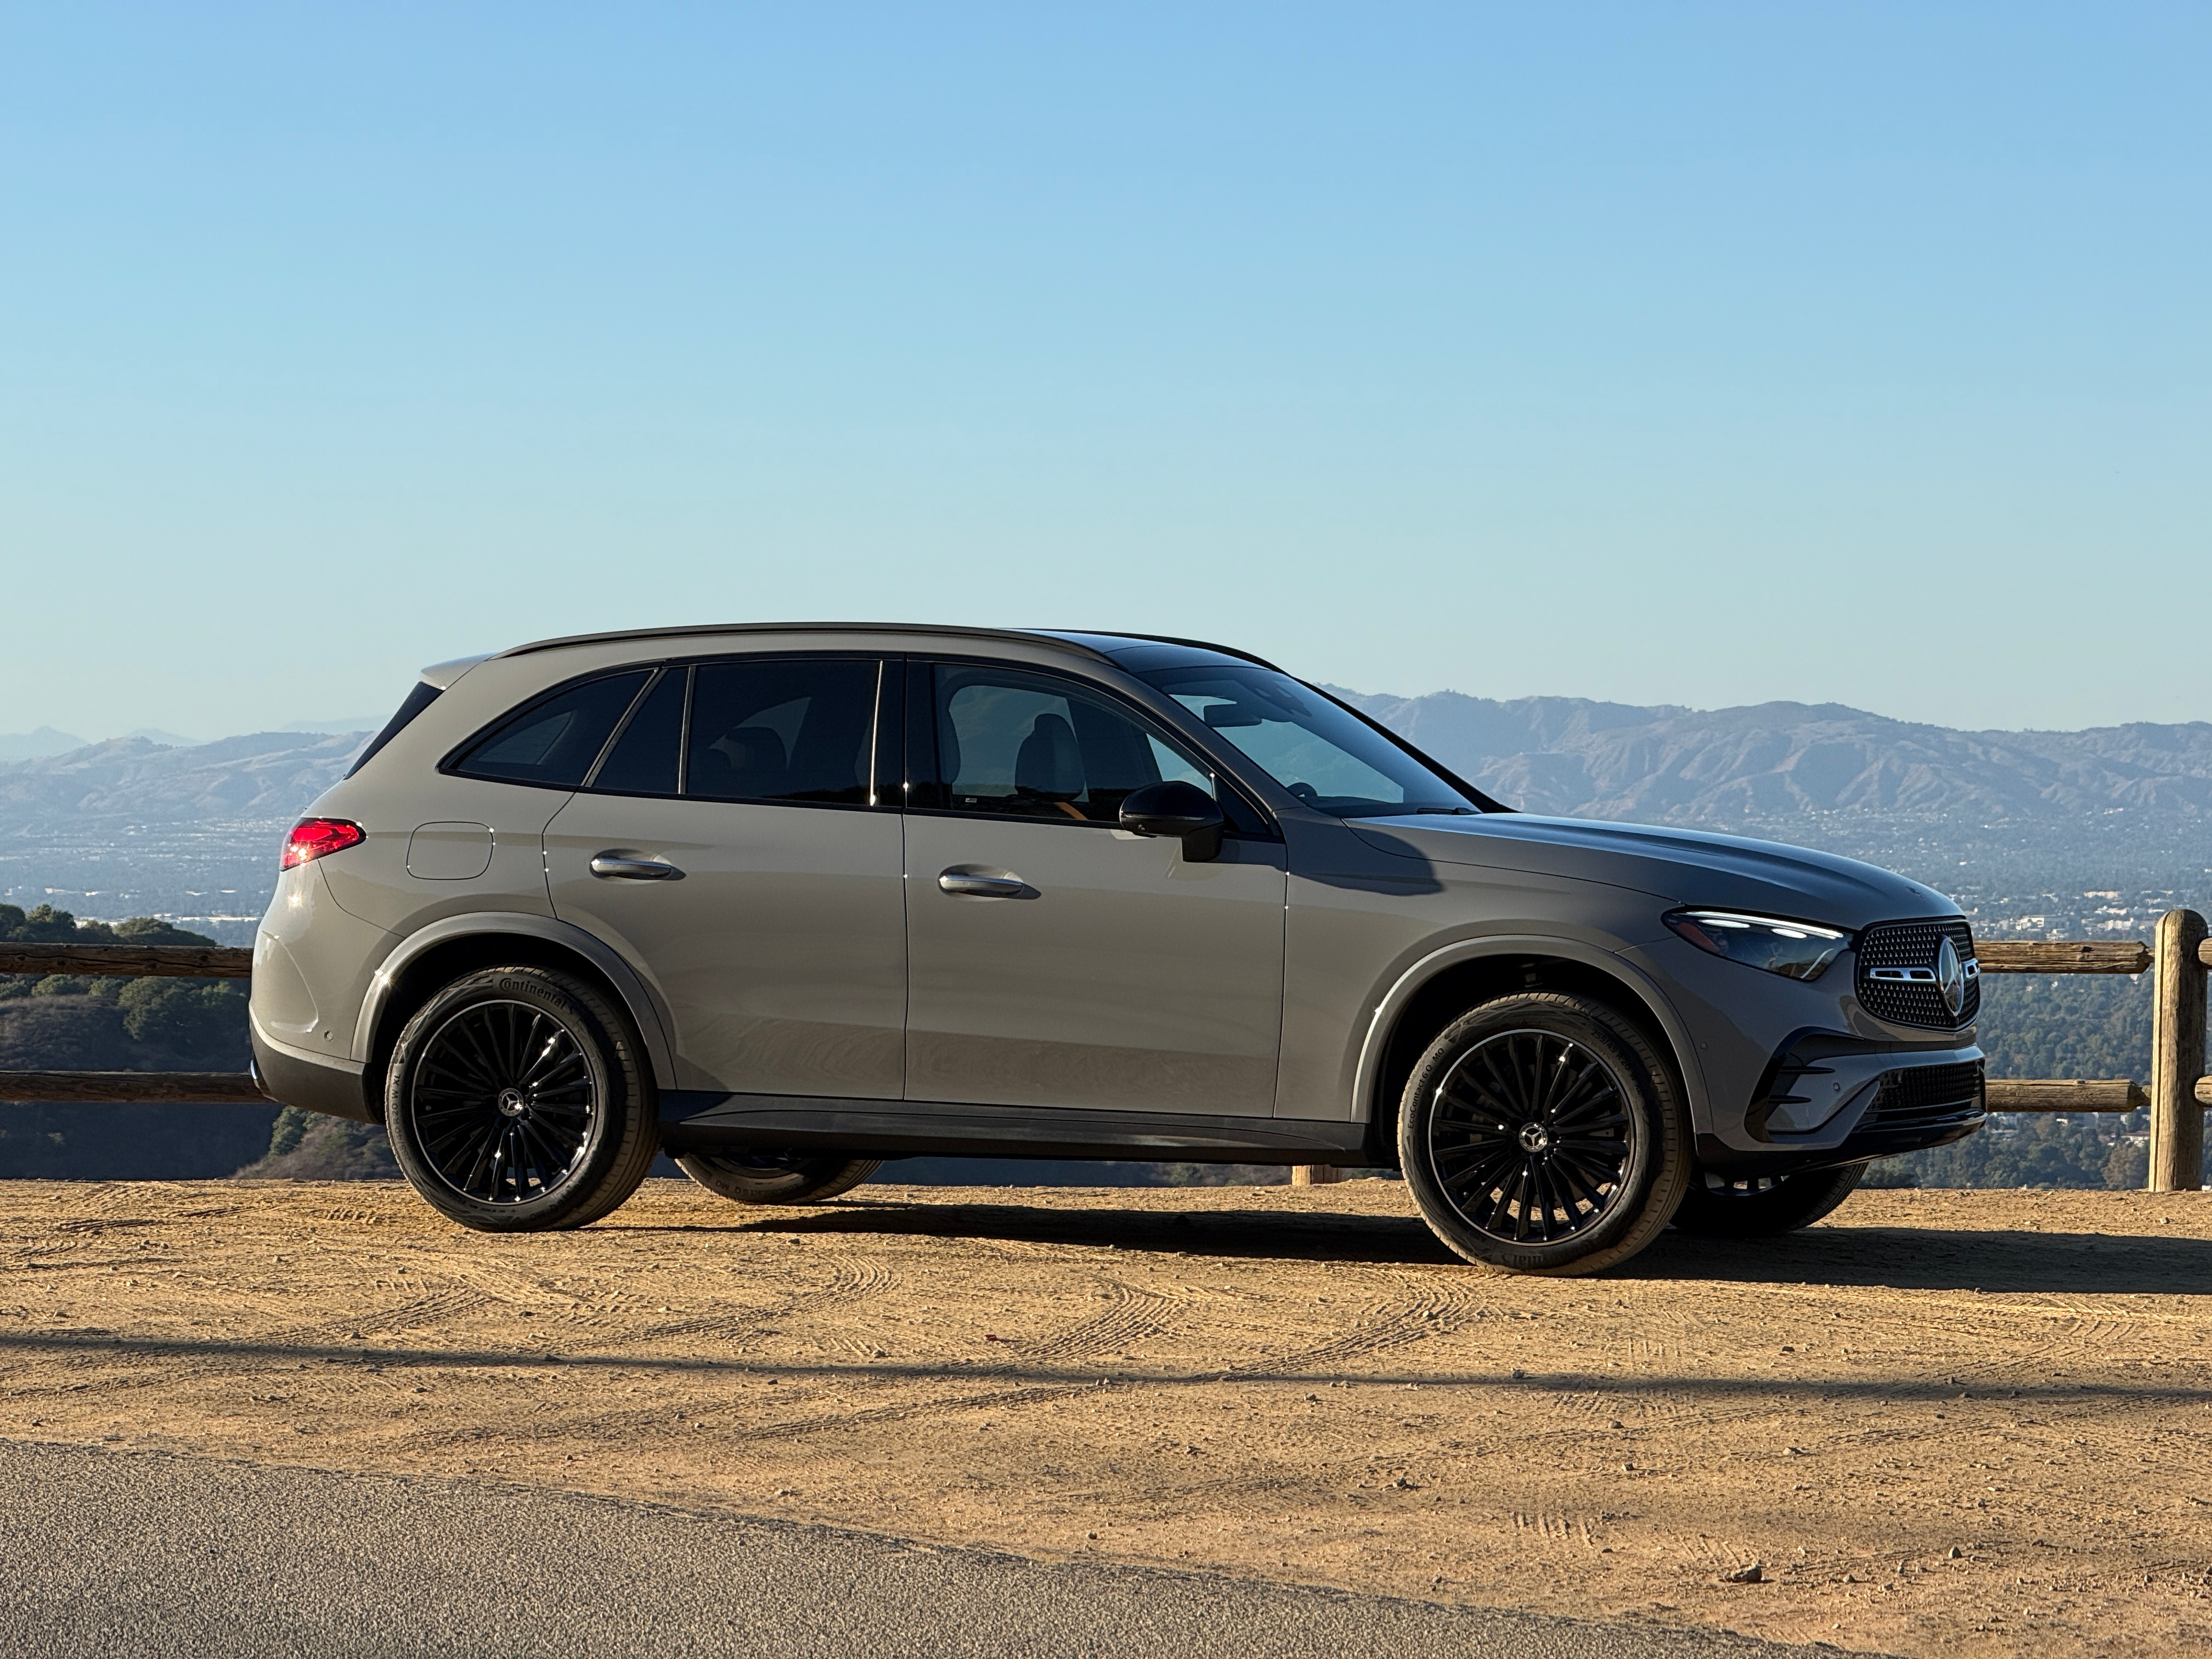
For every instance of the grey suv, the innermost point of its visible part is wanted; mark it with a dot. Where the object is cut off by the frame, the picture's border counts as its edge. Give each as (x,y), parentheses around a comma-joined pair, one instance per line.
(791,901)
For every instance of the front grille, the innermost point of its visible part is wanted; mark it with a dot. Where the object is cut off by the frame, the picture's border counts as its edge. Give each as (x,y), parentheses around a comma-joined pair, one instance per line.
(1926,1096)
(1914,944)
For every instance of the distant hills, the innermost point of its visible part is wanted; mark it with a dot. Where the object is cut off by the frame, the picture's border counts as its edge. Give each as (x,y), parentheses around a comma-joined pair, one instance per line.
(131,826)
(1996,818)
(27,745)
(1774,761)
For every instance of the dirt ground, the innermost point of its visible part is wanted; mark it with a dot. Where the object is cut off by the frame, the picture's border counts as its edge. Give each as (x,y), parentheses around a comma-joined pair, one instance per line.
(1971,1422)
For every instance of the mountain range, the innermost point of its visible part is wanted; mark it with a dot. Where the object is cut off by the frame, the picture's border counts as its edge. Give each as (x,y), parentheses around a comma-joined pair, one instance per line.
(130,826)
(1719,768)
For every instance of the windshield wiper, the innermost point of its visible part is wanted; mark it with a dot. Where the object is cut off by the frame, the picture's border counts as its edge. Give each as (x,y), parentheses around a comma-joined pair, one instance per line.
(1450,812)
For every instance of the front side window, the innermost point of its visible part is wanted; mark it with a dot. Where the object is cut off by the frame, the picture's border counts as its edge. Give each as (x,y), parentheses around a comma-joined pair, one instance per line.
(1037,747)
(1320,752)
(553,742)
(793,729)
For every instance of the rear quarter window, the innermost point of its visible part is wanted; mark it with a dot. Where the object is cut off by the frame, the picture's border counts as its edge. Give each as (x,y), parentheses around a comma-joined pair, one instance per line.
(553,742)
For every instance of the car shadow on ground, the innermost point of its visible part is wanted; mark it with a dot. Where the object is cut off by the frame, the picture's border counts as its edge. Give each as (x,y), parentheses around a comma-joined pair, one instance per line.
(2006,1260)
(1896,1258)
(1279,1235)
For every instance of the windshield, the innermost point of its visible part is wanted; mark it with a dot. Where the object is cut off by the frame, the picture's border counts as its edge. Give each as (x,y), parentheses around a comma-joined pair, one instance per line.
(1320,752)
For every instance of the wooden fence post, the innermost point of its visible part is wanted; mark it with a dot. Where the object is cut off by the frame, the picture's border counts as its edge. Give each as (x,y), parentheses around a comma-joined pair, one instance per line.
(1314,1174)
(2177,1054)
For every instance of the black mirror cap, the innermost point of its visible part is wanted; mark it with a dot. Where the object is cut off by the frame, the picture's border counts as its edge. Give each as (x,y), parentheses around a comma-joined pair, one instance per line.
(1180,809)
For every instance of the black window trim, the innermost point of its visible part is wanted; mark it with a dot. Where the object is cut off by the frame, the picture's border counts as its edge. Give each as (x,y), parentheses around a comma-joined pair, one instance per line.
(420,696)
(920,731)
(879,777)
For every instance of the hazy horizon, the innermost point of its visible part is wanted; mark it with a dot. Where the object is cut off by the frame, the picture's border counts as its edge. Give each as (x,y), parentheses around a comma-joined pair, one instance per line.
(371,723)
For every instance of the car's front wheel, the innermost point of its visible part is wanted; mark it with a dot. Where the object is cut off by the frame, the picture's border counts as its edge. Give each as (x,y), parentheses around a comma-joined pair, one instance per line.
(517,1100)
(776,1177)
(1760,1208)
(1544,1134)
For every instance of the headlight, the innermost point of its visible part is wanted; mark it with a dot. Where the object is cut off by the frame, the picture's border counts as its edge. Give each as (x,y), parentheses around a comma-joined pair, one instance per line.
(1796,950)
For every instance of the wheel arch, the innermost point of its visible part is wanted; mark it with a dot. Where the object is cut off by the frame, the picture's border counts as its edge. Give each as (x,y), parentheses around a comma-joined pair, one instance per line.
(443,951)
(1445,984)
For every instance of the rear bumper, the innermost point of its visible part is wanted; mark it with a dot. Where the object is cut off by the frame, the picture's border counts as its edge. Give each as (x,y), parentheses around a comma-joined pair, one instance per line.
(333,1087)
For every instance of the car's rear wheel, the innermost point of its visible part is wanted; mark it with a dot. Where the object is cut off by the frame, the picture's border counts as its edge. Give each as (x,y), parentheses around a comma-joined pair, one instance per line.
(1544,1134)
(518,1101)
(755,1176)
(1762,1207)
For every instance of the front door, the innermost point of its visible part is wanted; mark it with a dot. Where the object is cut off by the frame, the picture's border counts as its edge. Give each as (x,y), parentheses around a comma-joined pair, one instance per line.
(1054,959)
(778,940)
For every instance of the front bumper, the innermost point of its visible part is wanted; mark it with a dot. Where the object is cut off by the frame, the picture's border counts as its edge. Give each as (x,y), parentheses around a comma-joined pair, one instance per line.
(1828,1104)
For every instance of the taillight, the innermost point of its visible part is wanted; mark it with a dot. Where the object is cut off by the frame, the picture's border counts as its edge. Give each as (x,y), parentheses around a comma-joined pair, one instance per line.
(311,838)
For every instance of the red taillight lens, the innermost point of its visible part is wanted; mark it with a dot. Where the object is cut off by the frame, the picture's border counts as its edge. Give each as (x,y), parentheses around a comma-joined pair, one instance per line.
(311,838)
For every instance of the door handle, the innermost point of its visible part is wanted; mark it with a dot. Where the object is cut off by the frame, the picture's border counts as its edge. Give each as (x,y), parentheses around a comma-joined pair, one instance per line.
(618,867)
(959,881)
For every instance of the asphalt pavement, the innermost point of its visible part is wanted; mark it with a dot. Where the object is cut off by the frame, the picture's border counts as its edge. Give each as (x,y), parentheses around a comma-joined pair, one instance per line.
(105,1552)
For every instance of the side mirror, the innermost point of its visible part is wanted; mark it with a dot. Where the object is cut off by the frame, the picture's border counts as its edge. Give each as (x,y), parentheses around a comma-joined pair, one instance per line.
(1180,809)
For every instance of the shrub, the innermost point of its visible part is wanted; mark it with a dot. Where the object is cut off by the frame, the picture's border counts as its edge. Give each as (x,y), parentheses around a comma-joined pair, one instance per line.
(203,1018)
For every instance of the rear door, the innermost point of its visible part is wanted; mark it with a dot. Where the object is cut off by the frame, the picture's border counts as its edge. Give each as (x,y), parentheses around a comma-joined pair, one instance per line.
(732,845)
(1114,973)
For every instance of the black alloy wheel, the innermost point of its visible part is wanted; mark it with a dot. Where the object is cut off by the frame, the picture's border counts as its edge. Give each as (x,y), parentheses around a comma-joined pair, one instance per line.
(777,1176)
(1531,1135)
(504,1105)
(517,1100)
(1544,1133)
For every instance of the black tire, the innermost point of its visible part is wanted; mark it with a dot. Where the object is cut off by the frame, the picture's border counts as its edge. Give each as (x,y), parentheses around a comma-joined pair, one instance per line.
(1544,1134)
(772,1177)
(518,1100)
(1713,1208)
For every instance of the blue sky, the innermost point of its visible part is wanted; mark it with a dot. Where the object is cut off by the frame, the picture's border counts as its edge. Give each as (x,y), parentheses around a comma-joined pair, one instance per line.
(1697,354)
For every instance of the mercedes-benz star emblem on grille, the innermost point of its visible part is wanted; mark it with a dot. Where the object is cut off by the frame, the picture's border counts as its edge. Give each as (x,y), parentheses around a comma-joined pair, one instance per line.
(1951,977)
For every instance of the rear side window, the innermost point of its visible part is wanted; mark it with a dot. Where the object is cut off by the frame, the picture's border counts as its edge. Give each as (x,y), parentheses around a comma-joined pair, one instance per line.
(422,694)
(798,729)
(644,759)
(554,741)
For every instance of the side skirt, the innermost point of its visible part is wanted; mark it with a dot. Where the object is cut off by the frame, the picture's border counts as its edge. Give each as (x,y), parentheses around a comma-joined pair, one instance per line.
(692,1120)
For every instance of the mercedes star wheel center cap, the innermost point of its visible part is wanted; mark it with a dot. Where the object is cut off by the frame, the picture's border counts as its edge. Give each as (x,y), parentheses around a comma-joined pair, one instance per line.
(511,1103)
(1534,1137)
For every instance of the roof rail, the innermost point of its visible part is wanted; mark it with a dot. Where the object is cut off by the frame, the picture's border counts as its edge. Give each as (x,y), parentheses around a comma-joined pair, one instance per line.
(1026,637)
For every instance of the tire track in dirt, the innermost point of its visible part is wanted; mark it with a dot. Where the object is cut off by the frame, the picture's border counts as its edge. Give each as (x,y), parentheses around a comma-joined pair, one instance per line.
(1426,1308)
(1136,1313)
(438,1307)
(852,1280)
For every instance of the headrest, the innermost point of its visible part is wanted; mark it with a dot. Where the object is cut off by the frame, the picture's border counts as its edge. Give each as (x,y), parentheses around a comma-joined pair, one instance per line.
(1050,765)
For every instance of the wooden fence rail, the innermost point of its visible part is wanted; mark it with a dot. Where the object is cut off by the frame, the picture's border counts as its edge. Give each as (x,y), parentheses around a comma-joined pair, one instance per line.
(2178,957)
(129,961)
(133,1088)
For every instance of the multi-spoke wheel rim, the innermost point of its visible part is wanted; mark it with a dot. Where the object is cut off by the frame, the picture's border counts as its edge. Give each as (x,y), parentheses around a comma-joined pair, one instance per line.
(1531,1135)
(504,1103)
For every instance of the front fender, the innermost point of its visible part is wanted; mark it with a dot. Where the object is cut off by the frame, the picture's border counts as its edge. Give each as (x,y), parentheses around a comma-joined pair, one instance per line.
(646,1009)
(1376,1043)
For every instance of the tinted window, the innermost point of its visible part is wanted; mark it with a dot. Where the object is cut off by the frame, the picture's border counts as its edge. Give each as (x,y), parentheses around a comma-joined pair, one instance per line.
(1323,754)
(555,742)
(1034,745)
(643,759)
(782,729)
